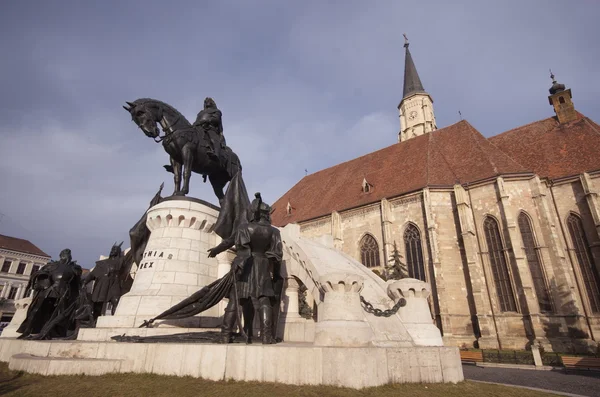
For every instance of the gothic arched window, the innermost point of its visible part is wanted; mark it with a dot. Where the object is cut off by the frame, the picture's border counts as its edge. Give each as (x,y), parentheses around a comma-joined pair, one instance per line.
(535,263)
(583,254)
(369,251)
(499,265)
(414,253)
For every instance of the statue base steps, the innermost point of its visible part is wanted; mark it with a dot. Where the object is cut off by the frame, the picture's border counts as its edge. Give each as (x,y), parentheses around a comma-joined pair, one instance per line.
(105,334)
(63,366)
(288,363)
(290,330)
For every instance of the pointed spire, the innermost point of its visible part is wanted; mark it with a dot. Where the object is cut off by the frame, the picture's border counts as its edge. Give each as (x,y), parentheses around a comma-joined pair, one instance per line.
(412,82)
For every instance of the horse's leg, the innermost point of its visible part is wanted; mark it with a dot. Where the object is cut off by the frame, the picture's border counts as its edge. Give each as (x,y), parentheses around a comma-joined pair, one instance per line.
(218,183)
(188,162)
(176,176)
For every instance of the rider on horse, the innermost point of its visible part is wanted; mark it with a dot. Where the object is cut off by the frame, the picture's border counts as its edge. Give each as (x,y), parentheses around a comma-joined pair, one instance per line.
(210,121)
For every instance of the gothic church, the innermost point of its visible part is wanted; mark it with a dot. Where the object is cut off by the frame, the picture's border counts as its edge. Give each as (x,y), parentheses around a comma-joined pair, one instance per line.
(505,229)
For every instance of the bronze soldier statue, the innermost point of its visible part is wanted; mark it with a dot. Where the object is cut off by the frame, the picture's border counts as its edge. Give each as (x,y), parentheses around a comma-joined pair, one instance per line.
(56,289)
(107,281)
(210,121)
(257,264)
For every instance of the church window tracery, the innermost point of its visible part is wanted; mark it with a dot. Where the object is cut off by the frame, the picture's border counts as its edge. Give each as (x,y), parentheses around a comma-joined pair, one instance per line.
(583,255)
(535,263)
(369,251)
(499,266)
(414,252)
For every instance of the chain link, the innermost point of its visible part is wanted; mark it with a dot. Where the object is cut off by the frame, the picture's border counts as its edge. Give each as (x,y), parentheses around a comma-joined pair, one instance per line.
(381,313)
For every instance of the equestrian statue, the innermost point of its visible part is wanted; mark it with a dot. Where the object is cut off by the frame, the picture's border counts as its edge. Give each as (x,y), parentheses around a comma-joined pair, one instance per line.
(198,147)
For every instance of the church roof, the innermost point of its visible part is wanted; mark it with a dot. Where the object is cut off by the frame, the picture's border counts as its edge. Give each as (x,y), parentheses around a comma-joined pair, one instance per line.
(412,82)
(454,154)
(20,245)
(551,149)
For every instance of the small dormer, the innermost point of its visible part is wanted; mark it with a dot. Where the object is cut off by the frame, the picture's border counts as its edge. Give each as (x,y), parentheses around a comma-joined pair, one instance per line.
(289,208)
(560,98)
(366,186)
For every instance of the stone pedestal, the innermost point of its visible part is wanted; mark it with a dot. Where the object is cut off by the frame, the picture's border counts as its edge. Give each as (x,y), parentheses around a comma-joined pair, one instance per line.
(416,314)
(296,364)
(174,266)
(341,319)
(10,331)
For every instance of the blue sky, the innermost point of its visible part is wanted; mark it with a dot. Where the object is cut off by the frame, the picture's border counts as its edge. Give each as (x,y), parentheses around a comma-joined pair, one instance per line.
(301,84)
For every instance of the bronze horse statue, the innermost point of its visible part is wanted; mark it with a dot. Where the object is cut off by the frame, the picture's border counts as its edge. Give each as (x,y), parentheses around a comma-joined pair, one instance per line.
(186,145)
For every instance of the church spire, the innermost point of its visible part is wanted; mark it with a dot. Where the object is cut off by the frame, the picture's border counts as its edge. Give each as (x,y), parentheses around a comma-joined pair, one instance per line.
(416,106)
(412,82)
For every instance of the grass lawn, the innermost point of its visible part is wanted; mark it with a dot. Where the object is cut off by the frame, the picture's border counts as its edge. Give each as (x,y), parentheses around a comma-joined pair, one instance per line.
(14,383)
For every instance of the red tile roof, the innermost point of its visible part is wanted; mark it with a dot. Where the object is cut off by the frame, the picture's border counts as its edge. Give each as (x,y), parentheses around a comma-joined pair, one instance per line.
(20,245)
(553,150)
(455,154)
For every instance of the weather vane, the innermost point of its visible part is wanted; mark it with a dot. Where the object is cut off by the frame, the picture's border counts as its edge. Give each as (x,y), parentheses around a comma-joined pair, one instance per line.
(405,40)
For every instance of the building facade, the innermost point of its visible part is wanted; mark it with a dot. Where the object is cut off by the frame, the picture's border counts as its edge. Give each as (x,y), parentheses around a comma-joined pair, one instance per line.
(19,258)
(506,229)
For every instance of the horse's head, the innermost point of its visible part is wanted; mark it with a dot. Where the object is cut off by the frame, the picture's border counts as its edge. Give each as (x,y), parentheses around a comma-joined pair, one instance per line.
(144,117)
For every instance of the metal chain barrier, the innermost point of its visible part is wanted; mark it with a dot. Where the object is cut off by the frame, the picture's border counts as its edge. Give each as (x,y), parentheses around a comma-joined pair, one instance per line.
(381,313)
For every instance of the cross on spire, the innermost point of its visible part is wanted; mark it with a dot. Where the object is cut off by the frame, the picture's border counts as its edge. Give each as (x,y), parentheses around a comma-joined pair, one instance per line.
(405,40)
(552,76)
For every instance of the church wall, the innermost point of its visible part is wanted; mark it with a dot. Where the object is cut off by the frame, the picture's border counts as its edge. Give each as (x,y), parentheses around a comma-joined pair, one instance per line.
(569,198)
(316,228)
(563,329)
(355,224)
(455,302)
(511,330)
(519,200)
(405,210)
(524,196)
(464,302)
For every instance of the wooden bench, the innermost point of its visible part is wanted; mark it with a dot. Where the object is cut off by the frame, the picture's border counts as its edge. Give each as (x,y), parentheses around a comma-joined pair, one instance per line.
(581,362)
(471,357)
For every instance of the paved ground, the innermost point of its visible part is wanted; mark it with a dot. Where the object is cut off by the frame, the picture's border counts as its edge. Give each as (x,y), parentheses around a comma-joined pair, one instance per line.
(586,383)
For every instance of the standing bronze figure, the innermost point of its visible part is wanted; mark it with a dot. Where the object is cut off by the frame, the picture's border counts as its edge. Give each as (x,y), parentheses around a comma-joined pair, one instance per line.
(52,309)
(256,265)
(108,285)
(198,148)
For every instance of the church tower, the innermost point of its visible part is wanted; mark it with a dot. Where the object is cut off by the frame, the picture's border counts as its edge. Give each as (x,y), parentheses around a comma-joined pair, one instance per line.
(562,102)
(416,106)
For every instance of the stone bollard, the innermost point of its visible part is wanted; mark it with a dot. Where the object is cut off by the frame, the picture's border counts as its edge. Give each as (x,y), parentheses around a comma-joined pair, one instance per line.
(537,357)
(416,315)
(341,320)
(290,299)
